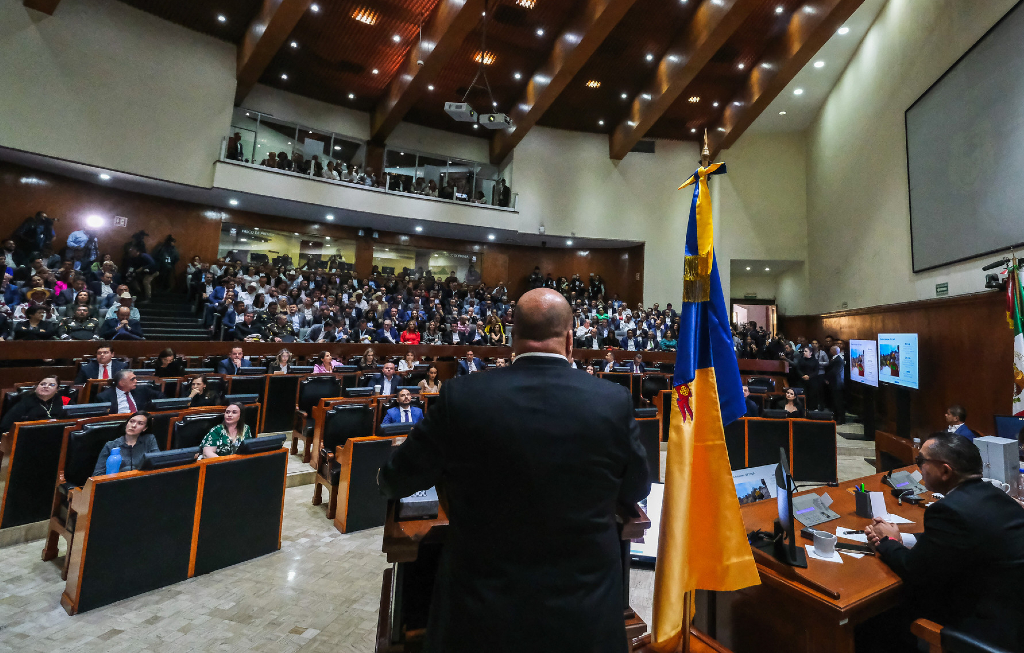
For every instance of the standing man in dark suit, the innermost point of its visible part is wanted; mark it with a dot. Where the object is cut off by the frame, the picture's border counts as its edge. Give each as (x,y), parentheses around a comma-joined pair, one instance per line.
(470,364)
(104,367)
(234,363)
(835,376)
(532,549)
(966,570)
(125,397)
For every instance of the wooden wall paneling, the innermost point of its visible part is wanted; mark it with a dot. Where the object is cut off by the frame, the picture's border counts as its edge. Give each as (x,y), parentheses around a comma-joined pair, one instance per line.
(494,268)
(965,352)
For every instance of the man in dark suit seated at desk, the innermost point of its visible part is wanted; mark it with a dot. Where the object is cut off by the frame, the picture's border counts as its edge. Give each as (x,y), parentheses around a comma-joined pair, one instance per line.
(532,481)
(104,367)
(125,397)
(955,417)
(966,570)
(234,363)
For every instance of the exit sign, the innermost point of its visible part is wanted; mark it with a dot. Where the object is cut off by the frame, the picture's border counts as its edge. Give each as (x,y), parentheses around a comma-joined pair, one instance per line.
(941,289)
(120,221)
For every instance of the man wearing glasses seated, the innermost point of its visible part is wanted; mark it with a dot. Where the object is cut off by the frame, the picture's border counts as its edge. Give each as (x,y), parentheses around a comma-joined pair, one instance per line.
(966,570)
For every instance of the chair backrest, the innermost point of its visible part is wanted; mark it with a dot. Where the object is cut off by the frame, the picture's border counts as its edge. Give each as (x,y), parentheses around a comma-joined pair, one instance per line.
(954,641)
(388,404)
(358,392)
(822,415)
(650,438)
(31,471)
(652,385)
(84,446)
(190,430)
(762,381)
(814,451)
(314,388)
(345,421)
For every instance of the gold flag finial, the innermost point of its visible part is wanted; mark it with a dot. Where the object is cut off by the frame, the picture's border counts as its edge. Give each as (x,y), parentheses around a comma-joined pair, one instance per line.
(705,154)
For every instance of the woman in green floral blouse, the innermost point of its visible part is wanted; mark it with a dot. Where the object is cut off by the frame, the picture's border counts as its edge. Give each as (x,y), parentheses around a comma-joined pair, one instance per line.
(223,439)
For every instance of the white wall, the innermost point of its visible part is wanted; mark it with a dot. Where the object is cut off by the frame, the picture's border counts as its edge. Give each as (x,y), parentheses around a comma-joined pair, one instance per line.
(762,287)
(858,207)
(102,83)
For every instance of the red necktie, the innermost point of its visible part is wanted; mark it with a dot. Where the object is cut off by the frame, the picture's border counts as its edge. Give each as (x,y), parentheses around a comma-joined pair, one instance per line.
(131,404)
(106,375)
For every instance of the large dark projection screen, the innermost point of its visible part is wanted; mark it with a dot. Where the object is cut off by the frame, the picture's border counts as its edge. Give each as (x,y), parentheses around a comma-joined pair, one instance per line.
(965,152)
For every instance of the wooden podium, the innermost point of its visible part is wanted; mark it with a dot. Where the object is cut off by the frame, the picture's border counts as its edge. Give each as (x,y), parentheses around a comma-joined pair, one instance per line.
(414,547)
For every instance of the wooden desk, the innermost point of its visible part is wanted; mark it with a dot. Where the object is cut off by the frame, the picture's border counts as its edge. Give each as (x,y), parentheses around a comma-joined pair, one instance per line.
(892,451)
(806,610)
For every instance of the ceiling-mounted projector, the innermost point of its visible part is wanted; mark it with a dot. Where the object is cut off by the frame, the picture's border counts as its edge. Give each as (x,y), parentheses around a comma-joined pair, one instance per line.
(461,111)
(495,120)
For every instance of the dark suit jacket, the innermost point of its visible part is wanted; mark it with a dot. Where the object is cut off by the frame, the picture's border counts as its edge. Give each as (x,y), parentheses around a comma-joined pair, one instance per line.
(464,366)
(967,569)
(110,327)
(965,431)
(142,395)
(835,372)
(378,379)
(532,549)
(227,366)
(91,370)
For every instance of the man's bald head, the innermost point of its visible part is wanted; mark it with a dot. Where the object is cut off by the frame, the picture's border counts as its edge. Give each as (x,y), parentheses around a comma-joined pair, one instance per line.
(543,322)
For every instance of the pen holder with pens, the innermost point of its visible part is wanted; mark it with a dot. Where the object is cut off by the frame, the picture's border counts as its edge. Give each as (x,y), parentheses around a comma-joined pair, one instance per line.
(863,503)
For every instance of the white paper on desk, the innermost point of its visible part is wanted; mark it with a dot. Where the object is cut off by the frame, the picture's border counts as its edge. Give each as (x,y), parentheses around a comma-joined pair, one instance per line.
(811,553)
(916,475)
(847,534)
(826,500)
(852,554)
(896,519)
(877,504)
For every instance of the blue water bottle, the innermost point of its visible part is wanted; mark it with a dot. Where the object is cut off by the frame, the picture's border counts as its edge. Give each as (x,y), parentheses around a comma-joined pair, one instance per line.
(114,461)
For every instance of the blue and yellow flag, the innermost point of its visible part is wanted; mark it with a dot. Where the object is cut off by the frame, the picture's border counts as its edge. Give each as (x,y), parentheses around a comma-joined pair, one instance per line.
(702,542)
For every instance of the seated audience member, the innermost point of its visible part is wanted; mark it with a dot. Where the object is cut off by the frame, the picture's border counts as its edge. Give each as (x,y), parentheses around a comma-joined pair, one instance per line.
(670,340)
(104,367)
(404,412)
(387,380)
(956,415)
(281,329)
(431,384)
(281,363)
(78,326)
(234,363)
(35,326)
(630,342)
(590,370)
(223,439)
(202,394)
(362,333)
(125,396)
(326,331)
(123,299)
(407,364)
(369,360)
(966,570)
(121,327)
(501,362)
(326,364)
(411,336)
(790,405)
(590,340)
(470,365)
(636,366)
(248,330)
(387,333)
(752,409)
(167,364)
(609,362)
(134,442)
(43,402)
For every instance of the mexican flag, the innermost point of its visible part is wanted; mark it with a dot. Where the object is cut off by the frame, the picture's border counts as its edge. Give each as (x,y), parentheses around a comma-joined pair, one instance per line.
(1015,315)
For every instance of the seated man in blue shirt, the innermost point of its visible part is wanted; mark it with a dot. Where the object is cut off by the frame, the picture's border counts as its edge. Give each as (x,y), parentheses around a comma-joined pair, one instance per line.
(956,415)
(404,412)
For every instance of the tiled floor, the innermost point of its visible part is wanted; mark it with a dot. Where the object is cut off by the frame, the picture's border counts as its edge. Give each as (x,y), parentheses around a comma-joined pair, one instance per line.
(320,592)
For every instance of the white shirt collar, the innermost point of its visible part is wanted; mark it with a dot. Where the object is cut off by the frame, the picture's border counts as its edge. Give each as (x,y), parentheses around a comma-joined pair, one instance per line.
(541,354)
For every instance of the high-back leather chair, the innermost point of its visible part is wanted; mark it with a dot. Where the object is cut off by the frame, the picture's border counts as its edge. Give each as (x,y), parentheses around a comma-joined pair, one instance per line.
(341,422)
(311,390)
(651,386)
(29,473)
(190,429)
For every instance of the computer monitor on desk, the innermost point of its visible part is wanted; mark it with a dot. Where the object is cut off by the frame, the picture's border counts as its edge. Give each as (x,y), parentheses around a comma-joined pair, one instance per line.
(786,549)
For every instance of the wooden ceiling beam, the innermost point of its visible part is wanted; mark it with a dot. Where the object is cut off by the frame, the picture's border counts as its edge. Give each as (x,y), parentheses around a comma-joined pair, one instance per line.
(572,49)
(443,34)
(265,35)
(45,6)
(809,29)
(712,24)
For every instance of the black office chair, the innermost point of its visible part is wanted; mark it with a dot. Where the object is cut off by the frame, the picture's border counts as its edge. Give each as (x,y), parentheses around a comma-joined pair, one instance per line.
(341,422)
(822,415)
(947,640)
(651,386)
(311,390)
(189,431)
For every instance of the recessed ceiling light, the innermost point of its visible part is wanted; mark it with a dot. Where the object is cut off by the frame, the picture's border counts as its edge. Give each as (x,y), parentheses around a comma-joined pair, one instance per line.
(569,243)
(624,96)
(294,44)
(419,228)
(600,123)
(366,16)
(780,9)
(748,267)
(798,91)
(244,240)
(819,64)
(540,31)
(693,131)
(740,66)
(296,233)
(310,131)
(593,84)
(233,202)
(330,217)
(767,269)
(314,8)
(284,76)
(222,18)
(647,96)
(351,96)
(484,56)
(490,236)
(649,57)
(289,142)
(526,4)
(694,99)
(476,126)
(673,58)
(246,114)
(782,113)
(738,103)
(517,75)
(396,38)
(94,222)
(430,87)
(375,71)
(843,30)
(328,238)
(714,104)
(104,176)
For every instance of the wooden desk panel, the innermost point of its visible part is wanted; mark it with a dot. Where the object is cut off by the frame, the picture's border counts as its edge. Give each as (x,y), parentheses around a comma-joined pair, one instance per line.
(808,610)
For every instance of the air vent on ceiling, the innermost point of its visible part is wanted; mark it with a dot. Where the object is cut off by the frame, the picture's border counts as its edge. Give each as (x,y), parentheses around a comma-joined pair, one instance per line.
(644,147)
(511,15)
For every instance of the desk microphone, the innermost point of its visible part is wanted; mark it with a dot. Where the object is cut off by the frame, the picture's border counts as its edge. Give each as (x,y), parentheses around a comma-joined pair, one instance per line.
(992,266)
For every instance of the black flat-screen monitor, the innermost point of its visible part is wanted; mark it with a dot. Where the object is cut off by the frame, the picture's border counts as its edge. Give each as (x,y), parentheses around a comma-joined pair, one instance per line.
(262,443)
(171,403)
(146,371)
(242,398)
(199,370)
(171,458)
(300,369)
(254,370)
(774,413)
(1008,426)
(414,389)
(621,369)
(786,549)
(364,391)
(345,369)
(820,415)
(396,429)
(87,410)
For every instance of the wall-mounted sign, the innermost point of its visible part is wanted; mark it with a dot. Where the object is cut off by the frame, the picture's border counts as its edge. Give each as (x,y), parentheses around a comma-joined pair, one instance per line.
(120,221)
